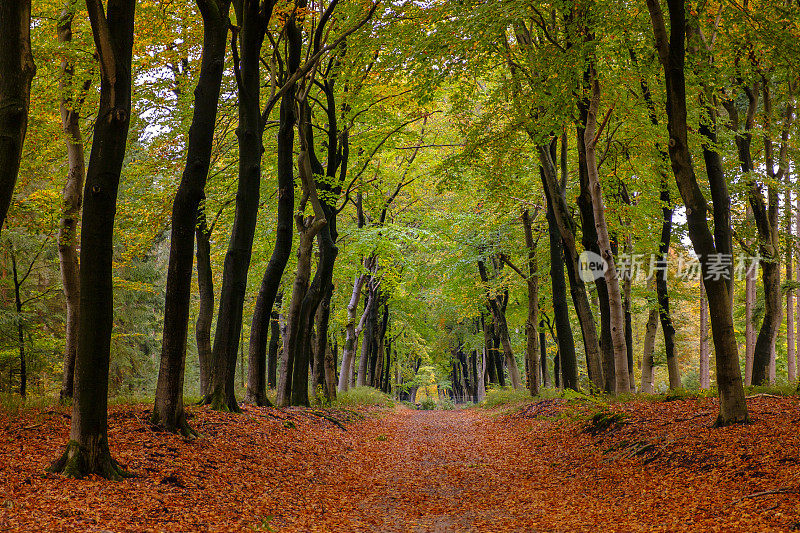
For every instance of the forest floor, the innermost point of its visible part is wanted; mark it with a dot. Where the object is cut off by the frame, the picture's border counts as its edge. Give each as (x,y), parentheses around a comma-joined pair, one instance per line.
(543,466)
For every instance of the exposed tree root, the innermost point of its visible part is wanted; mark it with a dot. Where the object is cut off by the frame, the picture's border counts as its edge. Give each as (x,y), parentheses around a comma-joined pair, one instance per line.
(78,461)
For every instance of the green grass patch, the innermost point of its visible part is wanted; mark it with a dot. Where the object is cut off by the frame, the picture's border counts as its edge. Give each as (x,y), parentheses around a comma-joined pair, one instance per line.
(498,397)
(364,397)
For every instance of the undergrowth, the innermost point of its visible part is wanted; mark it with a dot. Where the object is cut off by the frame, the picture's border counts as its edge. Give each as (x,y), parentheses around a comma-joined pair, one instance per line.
(364,397)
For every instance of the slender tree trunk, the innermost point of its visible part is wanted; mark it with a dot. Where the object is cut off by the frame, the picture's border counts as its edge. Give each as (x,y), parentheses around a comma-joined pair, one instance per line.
(531,325)
(322,346)
(237,259)
(671,50)
(797,277)
(580,298)
(369,326)
(274,343)
(790,346)
(589,241)
(16,64)
(498,314)
(168,410)
(705,378)
(352,332)
(749,328)
(72,198)
(566,343)
(292,347)
(87,451)
(622,377)
(23,372)
(205,311)
(662,290)
(543,351)
(767,223)
(627,287)
(651,328)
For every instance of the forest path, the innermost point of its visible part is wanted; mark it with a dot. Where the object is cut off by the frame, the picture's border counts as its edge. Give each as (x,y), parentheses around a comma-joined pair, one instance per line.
(532,469)
(432,471)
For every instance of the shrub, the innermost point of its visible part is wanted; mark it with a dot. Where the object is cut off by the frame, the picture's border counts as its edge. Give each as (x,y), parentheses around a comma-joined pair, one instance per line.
(497,397)
(428,404)
(446,404)
(362,396)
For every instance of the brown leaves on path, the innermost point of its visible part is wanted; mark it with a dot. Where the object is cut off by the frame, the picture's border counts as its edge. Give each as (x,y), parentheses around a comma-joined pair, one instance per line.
(656,467)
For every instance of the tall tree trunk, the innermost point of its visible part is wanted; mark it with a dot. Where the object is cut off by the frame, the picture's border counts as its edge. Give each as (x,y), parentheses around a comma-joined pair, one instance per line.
(627,301)
(532,323)
(87,451)
(72,199)
(647,386)
(352,331)
(321,348)
(662,290)
(16,64)
(253,21)
(705,378)
(168,410)
(580,298)
(797,277)
(205,311)
(274,342)
(622,379)
(566,343)
(671,49)
(589,241)
(324,344)
(366,349)
(766,216)
(790,346)
(498,314)
(543,351)
(292,348)
(490,370)
(749,328)
(23,372)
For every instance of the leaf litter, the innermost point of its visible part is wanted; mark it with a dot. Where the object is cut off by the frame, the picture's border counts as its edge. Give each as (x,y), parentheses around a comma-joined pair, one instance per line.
(552,465)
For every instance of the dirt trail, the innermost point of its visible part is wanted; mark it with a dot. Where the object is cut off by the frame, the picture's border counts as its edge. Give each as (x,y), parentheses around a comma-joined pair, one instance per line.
(415,471)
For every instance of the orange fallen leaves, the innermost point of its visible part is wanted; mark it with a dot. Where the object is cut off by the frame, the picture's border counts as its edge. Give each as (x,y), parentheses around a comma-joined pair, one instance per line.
(664,469)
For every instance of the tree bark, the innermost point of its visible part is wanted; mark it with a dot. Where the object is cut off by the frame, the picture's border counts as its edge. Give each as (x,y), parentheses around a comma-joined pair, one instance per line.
(293,356)
(16,64)
(749,328)
(498,314)
(671,51)
(352,331)
(87,451)
(532,323)
(274,342)
(647,386)
(622,379)
(72,199)
(589,241)
(254,20)
(566,344)
(168,411)
(205,311)
(705,378)
(577,287)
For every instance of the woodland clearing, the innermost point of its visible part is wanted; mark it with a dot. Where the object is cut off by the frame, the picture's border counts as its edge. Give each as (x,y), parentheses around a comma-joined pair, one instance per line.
(542,466)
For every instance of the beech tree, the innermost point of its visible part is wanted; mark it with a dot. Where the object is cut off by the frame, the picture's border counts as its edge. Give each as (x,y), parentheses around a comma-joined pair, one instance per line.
(16,65)
(168,410)
(671,48)
(88,451)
